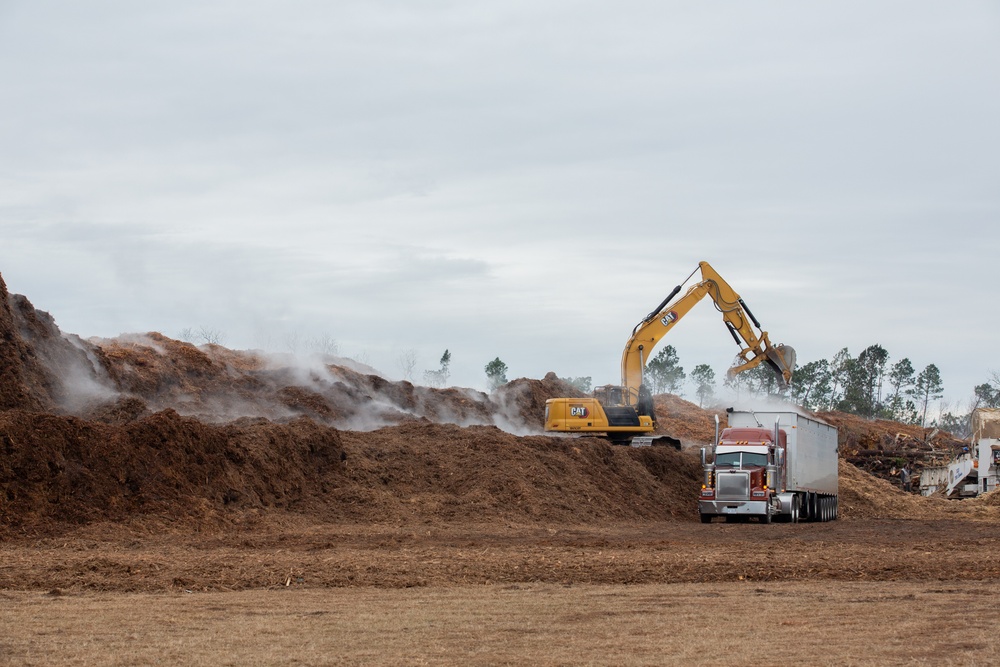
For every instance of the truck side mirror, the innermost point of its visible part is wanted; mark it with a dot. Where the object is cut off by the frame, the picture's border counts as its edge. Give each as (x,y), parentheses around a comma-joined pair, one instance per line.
(703,457)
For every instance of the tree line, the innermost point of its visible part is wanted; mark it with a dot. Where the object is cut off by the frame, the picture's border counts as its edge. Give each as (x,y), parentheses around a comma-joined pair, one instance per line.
(869,385)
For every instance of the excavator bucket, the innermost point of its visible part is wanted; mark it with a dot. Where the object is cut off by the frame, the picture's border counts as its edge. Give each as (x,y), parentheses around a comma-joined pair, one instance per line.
(782,359)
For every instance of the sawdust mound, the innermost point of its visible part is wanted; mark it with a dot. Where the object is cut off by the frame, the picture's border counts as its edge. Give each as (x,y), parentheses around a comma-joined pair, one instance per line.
(864,496)
(215,384)
(881,447)
(685,420)
(24,381)
(57,470)
(447,472)
(144,428)
(524,399)
(860,434)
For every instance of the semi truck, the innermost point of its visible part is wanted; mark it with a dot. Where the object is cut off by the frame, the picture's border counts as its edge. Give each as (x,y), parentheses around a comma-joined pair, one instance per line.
(771,465)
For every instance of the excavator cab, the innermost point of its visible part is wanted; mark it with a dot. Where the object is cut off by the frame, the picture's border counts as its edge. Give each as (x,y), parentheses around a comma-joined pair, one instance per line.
(610,394)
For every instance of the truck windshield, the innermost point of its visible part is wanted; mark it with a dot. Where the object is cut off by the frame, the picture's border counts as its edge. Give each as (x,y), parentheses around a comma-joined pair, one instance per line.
(734,459)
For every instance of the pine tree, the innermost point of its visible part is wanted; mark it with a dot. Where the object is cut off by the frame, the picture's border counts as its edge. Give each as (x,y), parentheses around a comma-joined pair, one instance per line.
(439,378)
(704,378)
(927,387)
(987,395)
(872,361)
(496,374)
(811,385)
(663,373)
(901,378)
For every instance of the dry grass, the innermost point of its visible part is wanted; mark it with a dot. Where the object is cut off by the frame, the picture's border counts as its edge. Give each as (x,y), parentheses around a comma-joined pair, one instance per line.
(830,623)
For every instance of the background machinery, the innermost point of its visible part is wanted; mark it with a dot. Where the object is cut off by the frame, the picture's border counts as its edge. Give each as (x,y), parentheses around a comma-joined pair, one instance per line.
(974,471)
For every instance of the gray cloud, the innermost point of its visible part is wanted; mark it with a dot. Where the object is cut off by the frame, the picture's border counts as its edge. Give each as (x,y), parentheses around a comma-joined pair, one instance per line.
(516,179)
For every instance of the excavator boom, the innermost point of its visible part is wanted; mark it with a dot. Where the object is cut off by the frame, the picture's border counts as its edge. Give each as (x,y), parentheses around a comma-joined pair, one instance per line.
(742,325)
(627,410)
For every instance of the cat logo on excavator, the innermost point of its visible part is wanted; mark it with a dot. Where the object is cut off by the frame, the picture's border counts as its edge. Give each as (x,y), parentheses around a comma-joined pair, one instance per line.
(669,318)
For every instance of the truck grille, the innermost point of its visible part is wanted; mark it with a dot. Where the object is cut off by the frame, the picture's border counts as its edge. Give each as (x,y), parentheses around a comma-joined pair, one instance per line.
(732,486)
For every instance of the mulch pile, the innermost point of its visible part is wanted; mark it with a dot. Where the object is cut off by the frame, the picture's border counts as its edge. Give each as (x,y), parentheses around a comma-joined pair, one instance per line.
(115,430)
(685,420)
(880,447)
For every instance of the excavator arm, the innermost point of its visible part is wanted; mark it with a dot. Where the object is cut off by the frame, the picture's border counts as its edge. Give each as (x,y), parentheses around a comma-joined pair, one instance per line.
(742,325)
(624,413)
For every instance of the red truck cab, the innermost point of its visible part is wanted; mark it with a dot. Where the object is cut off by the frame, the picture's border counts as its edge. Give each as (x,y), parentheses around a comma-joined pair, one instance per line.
(744,475)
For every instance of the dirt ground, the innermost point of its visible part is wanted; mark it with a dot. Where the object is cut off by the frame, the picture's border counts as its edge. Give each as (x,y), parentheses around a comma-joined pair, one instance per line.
(112,558)
(746,623)
(162,503)
(850,592)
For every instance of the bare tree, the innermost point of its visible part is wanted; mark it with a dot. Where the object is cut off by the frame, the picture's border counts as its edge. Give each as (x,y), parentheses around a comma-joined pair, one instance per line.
(210,336)
(407,362)
(439,378)
(324,344)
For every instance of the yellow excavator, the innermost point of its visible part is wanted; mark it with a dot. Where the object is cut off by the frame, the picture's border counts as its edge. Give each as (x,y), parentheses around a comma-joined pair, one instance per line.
(625,412)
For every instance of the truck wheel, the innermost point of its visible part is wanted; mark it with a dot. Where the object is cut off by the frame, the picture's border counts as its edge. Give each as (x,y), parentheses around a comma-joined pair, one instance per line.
(765,517)
(706,518)
(795,510)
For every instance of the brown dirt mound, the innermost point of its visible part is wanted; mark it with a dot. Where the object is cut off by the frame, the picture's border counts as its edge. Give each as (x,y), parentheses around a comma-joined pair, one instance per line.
(685,420)
(57,471)
(443,471)
(130,454)
(218,385)
(24,382)
(64,470)
(524,399)
(880,447)
(864,496)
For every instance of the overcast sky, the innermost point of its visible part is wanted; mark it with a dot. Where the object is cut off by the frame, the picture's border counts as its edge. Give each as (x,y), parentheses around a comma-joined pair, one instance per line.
(516,179)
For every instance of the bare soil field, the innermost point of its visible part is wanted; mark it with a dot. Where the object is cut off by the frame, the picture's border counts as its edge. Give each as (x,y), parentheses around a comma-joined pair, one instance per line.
(108,558)
(785,623)
(162,503)
(850,592)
